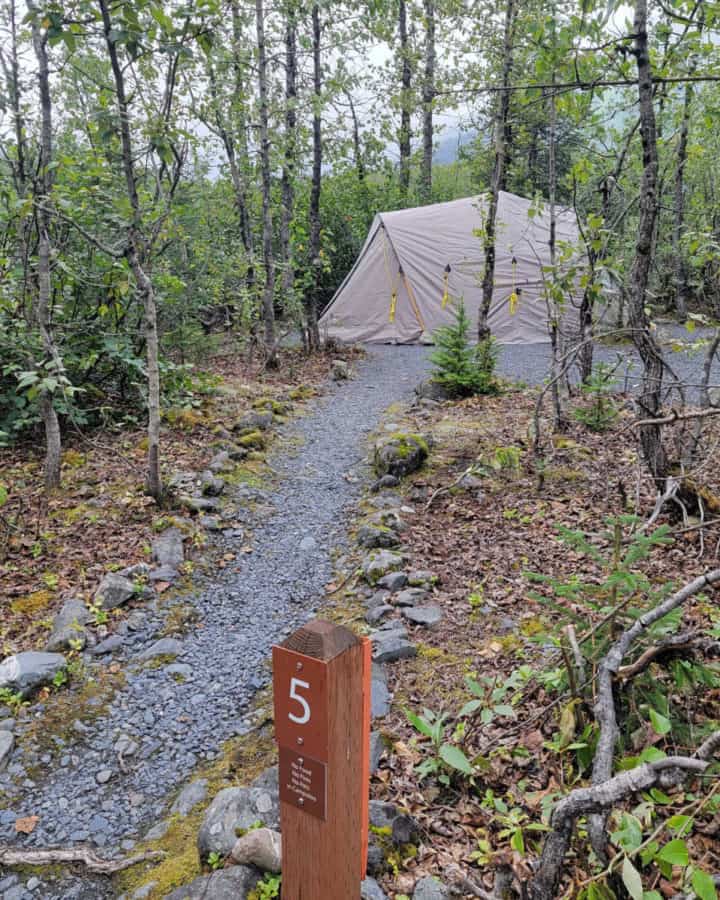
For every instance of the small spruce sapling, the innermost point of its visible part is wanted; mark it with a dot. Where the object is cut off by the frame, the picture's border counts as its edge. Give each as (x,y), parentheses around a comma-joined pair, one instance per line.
(461,368)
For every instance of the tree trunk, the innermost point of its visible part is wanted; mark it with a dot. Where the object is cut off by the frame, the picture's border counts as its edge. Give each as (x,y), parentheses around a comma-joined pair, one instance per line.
(268,309)
(240,176)
(555,304)
(289,161)
(428,98)
(314,247)
(136,260)
(405,101)
(43,318)
(682,289)
(498,175)
(649,400)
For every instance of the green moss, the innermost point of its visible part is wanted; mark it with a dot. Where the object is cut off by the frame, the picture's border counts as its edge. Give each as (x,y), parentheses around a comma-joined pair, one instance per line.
(241,760)
(276,407)
(85,704)
(32,604)
(559,474)
(180,618)
(302,392)
(73,459)
(254,439)
(157,662)
(408,443)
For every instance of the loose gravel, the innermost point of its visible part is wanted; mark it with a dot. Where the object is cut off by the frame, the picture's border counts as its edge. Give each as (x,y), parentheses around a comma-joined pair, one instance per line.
(162,728)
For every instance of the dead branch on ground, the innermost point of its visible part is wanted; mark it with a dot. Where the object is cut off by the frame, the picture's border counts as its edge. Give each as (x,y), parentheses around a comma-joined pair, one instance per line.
(11,856)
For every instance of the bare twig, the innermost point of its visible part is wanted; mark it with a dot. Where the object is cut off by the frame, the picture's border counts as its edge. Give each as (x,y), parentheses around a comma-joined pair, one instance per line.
(605,713)
(674,644)
(11,856)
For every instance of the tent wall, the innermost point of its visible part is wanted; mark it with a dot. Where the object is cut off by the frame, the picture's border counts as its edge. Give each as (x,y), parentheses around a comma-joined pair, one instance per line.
(362,308)
(425,241)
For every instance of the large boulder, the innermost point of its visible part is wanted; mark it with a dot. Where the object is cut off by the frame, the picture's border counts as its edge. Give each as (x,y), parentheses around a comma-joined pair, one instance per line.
(423,615)
(24,672)
(261,847)
(339,370)
(430,888)
(400,455)
(233,883)
(68,628)
(371,890)
(377,536)
(254,421)
(167,548)
(114,590)
(239,808)
(379,564)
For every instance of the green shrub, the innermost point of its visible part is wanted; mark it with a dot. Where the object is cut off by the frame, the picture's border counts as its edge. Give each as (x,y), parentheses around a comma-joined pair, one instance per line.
(463,369)
(601,412)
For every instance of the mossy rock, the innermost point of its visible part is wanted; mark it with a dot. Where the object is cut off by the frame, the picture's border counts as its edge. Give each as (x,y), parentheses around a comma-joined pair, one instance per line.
(402,454)
(253,440)
(276,407)
(302,392)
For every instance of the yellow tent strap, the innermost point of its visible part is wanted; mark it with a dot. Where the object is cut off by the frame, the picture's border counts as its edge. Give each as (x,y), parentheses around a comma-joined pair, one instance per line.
(514,295)
(446,286)
(411,295)
(392,282)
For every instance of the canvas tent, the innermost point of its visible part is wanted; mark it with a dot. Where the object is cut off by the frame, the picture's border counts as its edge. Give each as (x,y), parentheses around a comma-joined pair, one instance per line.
(415,261)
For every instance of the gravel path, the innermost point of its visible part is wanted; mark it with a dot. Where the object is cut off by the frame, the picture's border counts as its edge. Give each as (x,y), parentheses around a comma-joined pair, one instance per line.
(531,362)
(82,794)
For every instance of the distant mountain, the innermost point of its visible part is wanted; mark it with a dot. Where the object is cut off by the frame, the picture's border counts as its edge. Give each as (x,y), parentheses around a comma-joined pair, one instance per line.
(446,150)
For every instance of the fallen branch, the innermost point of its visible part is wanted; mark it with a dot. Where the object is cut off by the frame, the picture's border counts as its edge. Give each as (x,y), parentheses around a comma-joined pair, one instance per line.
(11,856)
(599,799)
(672,486)
(674,417)
(605,713)
(459,881)
(675,644)
(471,470)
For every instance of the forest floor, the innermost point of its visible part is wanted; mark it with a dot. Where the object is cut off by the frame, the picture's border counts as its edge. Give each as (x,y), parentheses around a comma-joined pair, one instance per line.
(483,539)
(288,550)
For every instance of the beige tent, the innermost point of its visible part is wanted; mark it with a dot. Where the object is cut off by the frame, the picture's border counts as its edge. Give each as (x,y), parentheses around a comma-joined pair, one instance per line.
(416,261)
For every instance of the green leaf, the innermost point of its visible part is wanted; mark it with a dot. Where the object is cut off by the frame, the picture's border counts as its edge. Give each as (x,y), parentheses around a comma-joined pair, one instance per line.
(660,724)
(629,835)
(703,885)
(470,707)
(419,724)
(681,824)
(632,880)
(674,852)
(456,759)
(517,842)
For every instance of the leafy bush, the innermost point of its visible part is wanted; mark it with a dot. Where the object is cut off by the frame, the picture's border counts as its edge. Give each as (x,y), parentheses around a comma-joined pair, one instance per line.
(463,369)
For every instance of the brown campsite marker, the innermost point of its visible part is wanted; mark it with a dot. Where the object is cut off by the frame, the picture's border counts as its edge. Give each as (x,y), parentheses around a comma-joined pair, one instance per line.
(321,685)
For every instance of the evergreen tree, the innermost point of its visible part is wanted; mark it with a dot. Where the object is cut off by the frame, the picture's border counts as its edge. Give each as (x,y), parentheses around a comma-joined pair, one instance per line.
(461,368)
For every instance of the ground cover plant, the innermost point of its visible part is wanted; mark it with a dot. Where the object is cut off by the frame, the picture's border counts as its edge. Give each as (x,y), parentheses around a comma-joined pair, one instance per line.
(536,586)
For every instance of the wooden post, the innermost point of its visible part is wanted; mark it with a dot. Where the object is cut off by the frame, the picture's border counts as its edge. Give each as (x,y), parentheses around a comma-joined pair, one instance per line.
(321,684)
